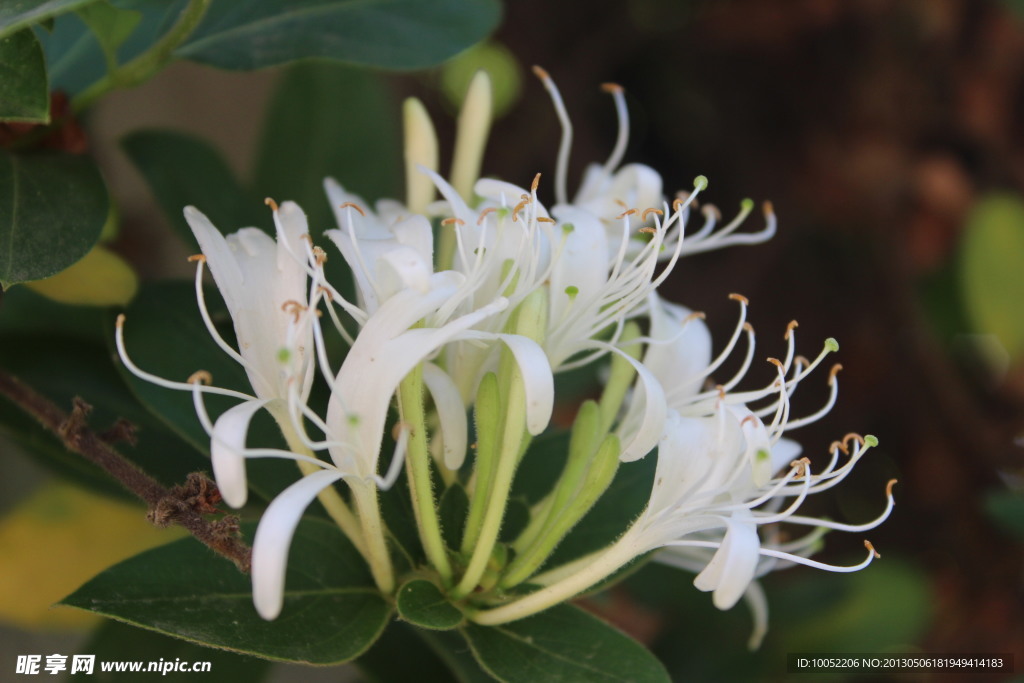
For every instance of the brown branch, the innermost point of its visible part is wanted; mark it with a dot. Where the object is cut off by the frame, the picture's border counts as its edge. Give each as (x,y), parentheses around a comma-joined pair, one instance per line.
(184,505)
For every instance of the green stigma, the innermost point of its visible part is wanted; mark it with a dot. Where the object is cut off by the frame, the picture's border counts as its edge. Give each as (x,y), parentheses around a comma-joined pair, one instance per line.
(747,205)
(284,355)
(572,291)
(871,440)
(831,344)
(567,228)
(700,182)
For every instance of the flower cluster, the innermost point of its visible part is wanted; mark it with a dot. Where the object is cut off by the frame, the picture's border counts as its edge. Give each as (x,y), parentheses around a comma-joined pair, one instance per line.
(479,320)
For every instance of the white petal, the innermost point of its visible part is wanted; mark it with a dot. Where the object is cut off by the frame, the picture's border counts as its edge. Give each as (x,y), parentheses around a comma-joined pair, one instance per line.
(451,412)
(219,258)
(583,263)
(401,268)
(226,446)
(684,353)
(538,380)
(653,412)
(732,568)
(274,537)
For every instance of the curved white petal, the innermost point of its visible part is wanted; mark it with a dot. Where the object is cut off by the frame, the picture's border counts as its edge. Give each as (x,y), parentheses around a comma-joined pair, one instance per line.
(680,352)
(227,441)
(732,568)
(653,412)
(452,413)
(274,537)
(538,380)
(583,262)
(402,268)
(219,258)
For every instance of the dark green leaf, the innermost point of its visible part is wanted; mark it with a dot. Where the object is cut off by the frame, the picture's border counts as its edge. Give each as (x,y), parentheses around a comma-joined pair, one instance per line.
(111,26)
(114,641)
(422,603)
(331,611)
(456,654)
(183,170)
(52,209)
(24,88)
(1006,509)
(565,644)
(990,269)
(15,14)
(415,660)
(393,34)
(541,466)
(452,510)
(328,120)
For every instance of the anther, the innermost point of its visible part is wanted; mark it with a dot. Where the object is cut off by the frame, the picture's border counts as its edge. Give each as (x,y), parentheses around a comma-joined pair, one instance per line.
(535,183)
(888,487)
(713,210)
(748,328)
(611,88)
(541,73)
(649,231)
(293,307)
(696,315)
(649,211)
(739,297)
(328,294)
(544,219)
(777,363)
(621,203)
(200,376)
(396,431)
(769,209)
(677,204)
(483,215)
(833,372)
(197,257)
(789,329)
(353,205)
(627,212)
(516,209)
(867,544)
(120,320)
(853,437)
(838,446)
(802,360)
(319,255)
(453,221)
(721,391)
(271,203)
(749,418)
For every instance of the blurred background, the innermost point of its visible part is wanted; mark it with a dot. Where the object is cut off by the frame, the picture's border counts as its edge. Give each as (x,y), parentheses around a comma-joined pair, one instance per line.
(889,135)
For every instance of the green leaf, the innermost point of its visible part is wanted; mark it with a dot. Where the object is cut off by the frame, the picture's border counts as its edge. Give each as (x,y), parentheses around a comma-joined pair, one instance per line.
(422,603)
(393,34)
(24,88)
(183,170)
(331,611)
(52,209)
(540,467)
(328,120)
(563,643)
(990,269)
(417,661)
(1006,509)
(16,14)
(114,641)
(452,510)
(111,26)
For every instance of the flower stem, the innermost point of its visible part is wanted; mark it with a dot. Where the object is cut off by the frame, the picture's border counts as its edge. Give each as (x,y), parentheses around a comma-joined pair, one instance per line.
(364,494)
(417,462)
(616,556)
(146,65)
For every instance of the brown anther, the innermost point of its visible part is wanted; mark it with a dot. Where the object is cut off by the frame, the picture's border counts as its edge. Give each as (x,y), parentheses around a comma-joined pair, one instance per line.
(535,184)
(197,257)
(621,203)
(748,328)
(544,219)
(721,391)
(120,320)
(696,315)
(319,255)
(769,209)
(353,205)
(838,445)
(833,372)
(853,437)
(472,446)
(802,465)
(649,231)
(789,329)
(801,360)
(677,204)
(293,307)
(328,294)
(541,73)
(777,363)
(396,431)
(888,487)
(611,88)
(627,212)
(483,215)
(319,313)
(271,203)
(713,210)
(867,544)
(739,297)
(749,418)
(453,221)
(518,207)
(200,376)
(307,238)
(649,211)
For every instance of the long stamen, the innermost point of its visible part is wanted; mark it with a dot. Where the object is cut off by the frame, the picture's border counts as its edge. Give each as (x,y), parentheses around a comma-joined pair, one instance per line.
(562,167)
(622,140)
